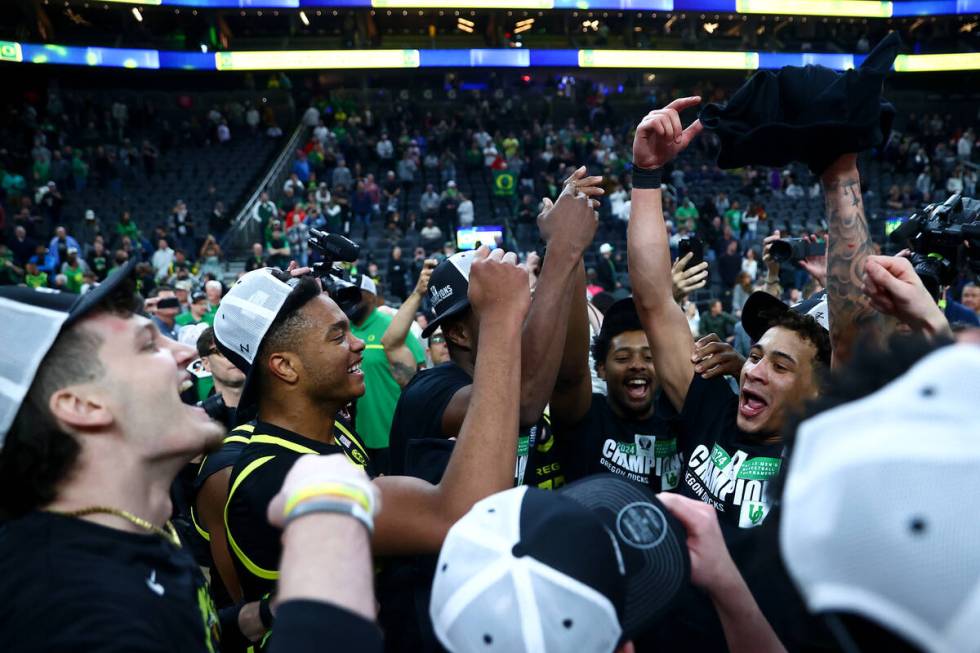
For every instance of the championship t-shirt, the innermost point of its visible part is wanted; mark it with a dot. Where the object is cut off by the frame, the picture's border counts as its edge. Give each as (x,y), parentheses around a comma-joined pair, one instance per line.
(420,448)
(644,451)
(73,585)
(726,467)
(376,407)
(256,478)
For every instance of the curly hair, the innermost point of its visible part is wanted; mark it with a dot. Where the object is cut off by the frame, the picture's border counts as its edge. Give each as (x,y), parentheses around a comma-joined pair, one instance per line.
(807,328)
(37,454)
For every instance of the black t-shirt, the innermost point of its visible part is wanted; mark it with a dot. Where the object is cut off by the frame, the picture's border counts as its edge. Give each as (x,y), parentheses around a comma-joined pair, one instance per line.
(725,467)
(256,478)
(420,448)
(644,451)
(72,585)
(305,626)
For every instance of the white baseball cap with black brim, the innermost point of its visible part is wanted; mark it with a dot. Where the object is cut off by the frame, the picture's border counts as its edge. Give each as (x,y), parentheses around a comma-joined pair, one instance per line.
(32,321)
(580,569)
(243,318)
(449,288)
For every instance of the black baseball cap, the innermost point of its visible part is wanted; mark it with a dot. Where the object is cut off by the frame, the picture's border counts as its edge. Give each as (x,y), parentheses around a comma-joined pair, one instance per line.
(32,321)
(449,288)
(621,316)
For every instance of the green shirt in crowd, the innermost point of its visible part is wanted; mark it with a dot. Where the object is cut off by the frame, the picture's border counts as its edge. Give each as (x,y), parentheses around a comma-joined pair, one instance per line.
(39,280)
(74,277)
(376,408)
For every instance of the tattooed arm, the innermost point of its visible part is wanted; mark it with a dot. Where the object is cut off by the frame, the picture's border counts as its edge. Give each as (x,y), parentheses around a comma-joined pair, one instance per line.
(848,247)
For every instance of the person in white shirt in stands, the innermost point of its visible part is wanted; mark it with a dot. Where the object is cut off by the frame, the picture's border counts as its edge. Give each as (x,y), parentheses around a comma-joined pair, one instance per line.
(224,134)
(465,211)
(955,182)
(964,146)
(320,133)
(384,148)
(162,259)
(311,117)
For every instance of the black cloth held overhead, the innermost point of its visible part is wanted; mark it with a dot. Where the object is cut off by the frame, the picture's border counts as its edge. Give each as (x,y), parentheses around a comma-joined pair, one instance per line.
(811,114)
(73,585)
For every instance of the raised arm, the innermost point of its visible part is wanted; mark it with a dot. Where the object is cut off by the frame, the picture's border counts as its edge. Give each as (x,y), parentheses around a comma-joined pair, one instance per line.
(659,138)
(713,570)
(848,247)
(415,515)
(401,360)
(572,395)
(568,228)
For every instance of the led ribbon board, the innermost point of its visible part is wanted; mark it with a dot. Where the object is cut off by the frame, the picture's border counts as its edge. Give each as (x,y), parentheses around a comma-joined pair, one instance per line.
(14,52)
(316,59)
(830,8)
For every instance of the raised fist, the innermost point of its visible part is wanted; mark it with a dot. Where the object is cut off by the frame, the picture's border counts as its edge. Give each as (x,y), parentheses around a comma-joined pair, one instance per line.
(498,287)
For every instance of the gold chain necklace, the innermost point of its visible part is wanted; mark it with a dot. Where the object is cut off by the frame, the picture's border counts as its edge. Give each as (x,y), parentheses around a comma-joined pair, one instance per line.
(169,534)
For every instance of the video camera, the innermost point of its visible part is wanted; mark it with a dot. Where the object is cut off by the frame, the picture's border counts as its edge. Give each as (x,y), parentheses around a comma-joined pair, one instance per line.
(942,237)
(335,249)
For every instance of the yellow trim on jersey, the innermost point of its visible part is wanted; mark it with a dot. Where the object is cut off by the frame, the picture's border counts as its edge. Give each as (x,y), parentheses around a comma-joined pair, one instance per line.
(256,570)
(350,436)
(200,529)
(281,442)
(231,437)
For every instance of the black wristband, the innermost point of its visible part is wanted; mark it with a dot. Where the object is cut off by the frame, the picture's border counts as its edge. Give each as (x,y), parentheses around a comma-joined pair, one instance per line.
(265,612)
(647,178)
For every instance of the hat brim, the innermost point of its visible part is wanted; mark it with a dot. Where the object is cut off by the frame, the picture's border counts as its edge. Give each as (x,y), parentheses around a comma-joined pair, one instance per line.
(657,569)
(452,311)
(758,313)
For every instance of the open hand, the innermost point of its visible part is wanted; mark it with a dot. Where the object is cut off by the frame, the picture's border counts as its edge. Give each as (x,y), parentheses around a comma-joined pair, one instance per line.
(687,280)
(660,136)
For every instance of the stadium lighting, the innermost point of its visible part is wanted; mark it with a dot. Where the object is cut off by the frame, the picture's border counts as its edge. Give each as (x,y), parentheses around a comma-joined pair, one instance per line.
(920,63)
(465,25)
(710,27)
(302,17)
(668,59)
(845,8)
(523,25)
(137,15)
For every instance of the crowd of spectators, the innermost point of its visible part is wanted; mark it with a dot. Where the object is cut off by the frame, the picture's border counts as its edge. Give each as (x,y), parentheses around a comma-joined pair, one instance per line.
(626,426)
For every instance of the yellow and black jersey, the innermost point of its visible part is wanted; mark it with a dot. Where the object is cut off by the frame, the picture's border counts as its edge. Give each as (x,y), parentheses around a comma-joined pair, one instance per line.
(256,478)
(231,447)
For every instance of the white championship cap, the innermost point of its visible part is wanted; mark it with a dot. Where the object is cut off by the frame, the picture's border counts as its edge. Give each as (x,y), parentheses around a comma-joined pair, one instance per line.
(880,505)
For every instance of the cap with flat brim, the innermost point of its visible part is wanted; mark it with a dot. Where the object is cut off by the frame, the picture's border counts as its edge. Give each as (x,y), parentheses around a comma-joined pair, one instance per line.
(449,288)
(32,321)
(651,541)
(761,309)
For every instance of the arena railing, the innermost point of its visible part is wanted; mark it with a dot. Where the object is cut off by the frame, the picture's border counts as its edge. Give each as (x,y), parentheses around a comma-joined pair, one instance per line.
(244,229)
